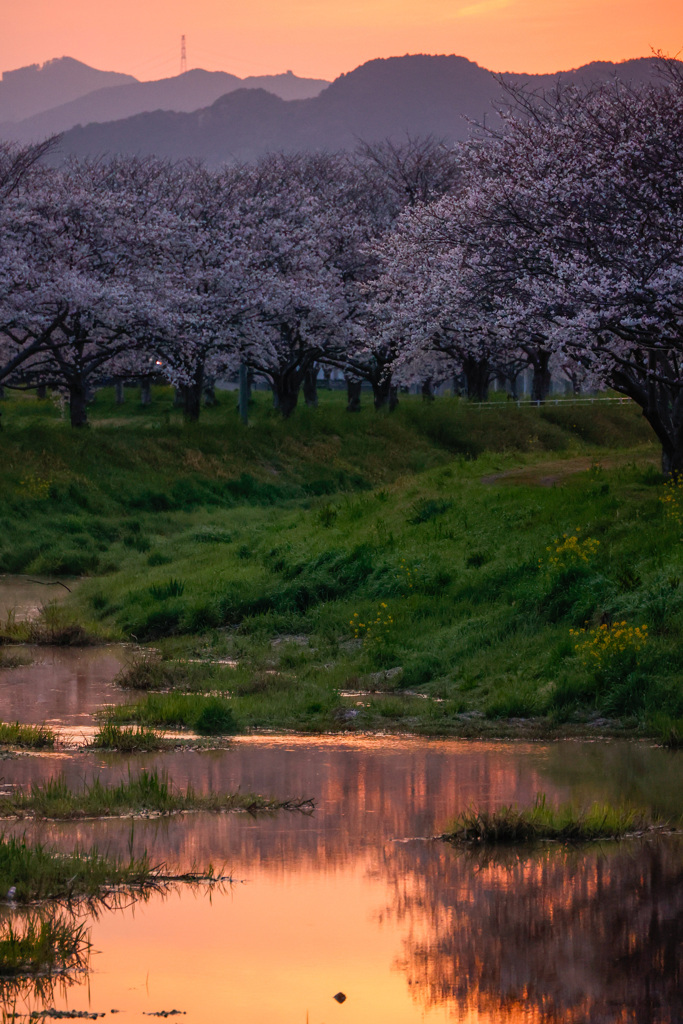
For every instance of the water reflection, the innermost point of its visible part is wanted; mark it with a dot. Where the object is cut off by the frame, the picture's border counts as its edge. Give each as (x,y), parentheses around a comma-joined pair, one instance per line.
(62,685)
(23,598)
(349,899)
(43,952)
(561,935)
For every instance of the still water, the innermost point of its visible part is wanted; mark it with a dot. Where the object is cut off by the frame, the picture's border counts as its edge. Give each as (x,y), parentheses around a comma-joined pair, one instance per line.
(23,597)
(359,898)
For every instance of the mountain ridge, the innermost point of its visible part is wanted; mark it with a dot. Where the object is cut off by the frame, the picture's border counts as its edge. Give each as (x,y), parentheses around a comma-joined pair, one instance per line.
(190,91)
(29,90)
(418,94)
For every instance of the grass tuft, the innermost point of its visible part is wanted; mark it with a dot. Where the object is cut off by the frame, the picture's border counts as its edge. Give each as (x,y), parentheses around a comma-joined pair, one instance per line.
(112,737)
(36,873)
(208,715)
(149,792)
(36,946)
(34,737)
(543,822)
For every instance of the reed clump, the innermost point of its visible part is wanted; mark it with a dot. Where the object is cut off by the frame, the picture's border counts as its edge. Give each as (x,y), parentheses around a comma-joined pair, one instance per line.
(30,873)
(149,792)
(13,658)
(39,946)
(542,823)
(110,736)
(34,737)
(210,715)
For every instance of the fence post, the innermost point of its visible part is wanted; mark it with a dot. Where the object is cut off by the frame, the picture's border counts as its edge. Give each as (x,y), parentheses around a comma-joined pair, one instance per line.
(244,394)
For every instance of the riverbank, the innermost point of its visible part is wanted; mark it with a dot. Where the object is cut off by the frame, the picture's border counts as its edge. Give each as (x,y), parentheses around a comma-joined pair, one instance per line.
(442,571)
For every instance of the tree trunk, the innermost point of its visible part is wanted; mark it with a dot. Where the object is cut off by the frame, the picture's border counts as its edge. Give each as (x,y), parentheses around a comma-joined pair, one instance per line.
(178,398)
(145,391)
(210,392)
(427,391)
(385,394)
(477,375)
(78,409)
(353,395)
(311,387)
(286,394)
(119,392)
(672,462)
(662,407)
(2,392)
(191,400)
(540,385)
(41,392)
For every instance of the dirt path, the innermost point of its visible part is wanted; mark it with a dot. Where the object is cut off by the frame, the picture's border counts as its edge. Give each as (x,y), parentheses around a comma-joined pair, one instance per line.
(547,474)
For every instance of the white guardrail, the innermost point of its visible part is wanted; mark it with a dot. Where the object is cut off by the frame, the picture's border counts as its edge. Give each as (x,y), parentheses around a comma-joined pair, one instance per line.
(532,404)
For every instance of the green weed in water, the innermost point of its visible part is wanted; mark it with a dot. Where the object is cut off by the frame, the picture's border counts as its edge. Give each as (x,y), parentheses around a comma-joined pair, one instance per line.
(543,822)
(36,737)
(147,792)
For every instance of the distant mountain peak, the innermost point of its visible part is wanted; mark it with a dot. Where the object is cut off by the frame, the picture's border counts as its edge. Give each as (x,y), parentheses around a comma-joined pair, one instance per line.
(31,89)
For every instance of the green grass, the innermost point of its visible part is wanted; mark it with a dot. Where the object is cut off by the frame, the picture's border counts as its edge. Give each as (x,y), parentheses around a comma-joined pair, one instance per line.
(264,544)
(35,946)
(512,825)
(149,673)
(128,741)
(13,658)
(37,873)
(148,792)
(55,625)
(36,737)
(207,715)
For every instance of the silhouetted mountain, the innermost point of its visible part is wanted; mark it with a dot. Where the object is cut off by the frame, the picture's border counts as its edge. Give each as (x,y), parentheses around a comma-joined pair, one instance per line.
(27,91)
(190,91)
(384,98)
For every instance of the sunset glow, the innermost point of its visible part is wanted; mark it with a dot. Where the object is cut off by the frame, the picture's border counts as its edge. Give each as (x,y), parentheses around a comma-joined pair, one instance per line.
(327,37)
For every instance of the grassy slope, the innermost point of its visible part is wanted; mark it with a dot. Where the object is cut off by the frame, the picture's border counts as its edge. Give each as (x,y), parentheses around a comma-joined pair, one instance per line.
(225,539)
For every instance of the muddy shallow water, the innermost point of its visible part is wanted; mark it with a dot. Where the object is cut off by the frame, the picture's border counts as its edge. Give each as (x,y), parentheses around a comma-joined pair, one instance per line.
(358,898)
(62,685)
(23,597)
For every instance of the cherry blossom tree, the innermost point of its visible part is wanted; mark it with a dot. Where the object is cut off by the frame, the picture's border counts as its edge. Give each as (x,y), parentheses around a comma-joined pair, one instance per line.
(17,177)
(394,177)
(78,300)
(300,309)
(205,290)
(583,192)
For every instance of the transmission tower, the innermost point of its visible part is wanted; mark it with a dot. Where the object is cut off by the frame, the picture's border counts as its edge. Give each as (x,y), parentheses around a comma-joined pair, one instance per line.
(183,56)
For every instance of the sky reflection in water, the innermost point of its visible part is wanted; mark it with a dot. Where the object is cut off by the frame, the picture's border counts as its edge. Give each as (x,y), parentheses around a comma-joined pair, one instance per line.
(350,899)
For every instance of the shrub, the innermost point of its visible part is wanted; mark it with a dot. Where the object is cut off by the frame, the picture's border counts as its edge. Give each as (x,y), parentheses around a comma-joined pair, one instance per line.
(215,718)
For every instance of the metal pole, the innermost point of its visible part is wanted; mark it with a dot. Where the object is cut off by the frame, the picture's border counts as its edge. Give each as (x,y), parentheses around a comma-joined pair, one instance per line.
(244,394)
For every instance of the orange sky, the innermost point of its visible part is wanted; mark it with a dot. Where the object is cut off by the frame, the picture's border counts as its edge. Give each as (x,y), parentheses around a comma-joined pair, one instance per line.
(322,38)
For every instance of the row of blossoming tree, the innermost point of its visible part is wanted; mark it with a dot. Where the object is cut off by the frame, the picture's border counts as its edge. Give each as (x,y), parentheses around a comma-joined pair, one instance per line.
(555,238)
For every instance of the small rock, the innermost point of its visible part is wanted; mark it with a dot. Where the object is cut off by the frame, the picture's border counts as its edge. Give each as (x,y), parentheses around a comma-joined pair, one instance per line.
(163,1013)
(346,714)
(377,678)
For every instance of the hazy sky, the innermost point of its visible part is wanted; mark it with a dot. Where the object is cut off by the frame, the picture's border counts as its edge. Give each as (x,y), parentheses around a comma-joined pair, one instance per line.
(322,38)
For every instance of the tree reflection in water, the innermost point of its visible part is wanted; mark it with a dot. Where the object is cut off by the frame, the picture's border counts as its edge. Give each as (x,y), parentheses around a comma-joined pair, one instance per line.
(555,935)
